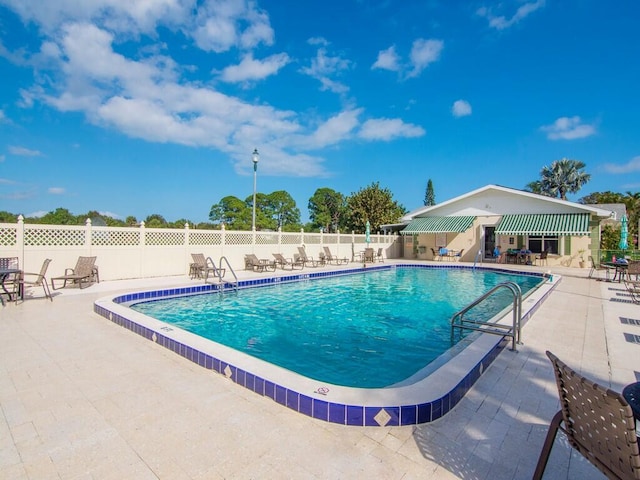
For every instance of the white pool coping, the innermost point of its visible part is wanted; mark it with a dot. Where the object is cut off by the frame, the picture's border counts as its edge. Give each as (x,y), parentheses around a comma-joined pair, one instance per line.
(447,381)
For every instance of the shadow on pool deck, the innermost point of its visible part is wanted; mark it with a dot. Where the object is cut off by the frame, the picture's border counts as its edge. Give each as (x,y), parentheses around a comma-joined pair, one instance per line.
(81,397)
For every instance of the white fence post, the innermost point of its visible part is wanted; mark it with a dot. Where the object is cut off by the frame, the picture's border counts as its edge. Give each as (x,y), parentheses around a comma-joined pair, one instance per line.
(20,238)
(87,235)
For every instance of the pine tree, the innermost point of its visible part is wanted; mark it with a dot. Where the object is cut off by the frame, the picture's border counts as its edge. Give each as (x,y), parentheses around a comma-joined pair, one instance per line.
(429,196)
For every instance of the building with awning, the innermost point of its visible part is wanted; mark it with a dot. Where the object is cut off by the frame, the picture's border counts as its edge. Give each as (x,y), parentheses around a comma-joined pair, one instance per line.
(477,222)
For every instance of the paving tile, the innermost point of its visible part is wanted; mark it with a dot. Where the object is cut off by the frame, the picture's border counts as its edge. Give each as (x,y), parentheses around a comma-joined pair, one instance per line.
(81,397)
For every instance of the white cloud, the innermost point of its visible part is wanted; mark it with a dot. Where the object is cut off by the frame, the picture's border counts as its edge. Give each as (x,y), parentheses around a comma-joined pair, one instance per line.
(250,69)
(389,128)
(37,214)
(387,60)
(423,53)
(631,166)
(56,190)
(84,68)
(109,214)
(568,128)
(335,129)
(323,66)
(318,41)
(461,108)
(500,22)
(2,158)
(220,23)
(119,15)
(24,152)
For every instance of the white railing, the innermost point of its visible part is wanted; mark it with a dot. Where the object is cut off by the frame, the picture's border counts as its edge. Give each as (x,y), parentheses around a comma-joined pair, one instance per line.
(140,252)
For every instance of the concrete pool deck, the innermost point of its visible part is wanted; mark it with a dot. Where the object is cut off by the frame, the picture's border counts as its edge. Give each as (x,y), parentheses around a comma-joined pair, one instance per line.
(83,398)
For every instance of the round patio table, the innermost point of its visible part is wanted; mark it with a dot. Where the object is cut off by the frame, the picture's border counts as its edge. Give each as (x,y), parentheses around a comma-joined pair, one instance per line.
(631,394)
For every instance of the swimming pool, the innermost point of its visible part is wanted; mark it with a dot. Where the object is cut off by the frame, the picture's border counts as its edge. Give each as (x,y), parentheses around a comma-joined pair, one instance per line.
(422,399)
(368,330)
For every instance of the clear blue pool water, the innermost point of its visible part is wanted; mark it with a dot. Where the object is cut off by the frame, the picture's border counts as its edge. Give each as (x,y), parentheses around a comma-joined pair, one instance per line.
(364,330)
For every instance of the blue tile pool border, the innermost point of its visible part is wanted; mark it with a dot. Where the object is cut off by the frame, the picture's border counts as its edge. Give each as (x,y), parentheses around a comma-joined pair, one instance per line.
(354,415)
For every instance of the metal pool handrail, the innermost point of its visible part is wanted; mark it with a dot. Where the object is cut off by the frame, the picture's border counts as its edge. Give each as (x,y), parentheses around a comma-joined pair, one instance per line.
(493,328)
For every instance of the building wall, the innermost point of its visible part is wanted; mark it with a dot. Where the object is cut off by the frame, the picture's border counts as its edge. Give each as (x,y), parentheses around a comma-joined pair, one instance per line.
(570,249)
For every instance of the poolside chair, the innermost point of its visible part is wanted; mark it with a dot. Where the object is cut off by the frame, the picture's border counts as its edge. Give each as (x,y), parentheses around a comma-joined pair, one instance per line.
(598,423)
(368,255)
(633,289)
(332,258)
(541,259)
(252,262)
(286,263)
(633,269)
(436,254)
(204,267)
(597,268)
(308,261)
(379,255)
(10,282)
(82,274)
(39,281)
(458,255)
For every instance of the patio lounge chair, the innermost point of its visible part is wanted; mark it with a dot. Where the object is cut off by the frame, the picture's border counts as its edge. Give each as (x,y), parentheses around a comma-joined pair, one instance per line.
(598,423)
(39,281)
(436,254)
(204,267)
(308,261)
(252,262)
(83,273)
(286,263)
(332,258)
(380,255)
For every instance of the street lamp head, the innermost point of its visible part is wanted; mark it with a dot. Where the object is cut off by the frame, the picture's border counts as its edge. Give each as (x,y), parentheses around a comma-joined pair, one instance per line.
(255,155)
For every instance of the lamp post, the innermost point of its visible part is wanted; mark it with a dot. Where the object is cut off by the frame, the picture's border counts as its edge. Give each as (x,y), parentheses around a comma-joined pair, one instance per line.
(256,157)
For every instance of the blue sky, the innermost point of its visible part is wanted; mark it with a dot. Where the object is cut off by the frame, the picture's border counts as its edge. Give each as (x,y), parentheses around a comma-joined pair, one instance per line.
(134,108)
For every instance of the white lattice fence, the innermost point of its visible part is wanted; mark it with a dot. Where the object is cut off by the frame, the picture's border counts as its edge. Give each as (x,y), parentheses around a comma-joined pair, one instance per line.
(208,237)
(44,235)
(105,236)
(131,252)
(8,235)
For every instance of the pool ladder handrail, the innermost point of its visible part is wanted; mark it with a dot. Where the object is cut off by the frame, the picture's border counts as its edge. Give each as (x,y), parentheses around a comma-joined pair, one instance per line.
(493,328)
(218,273)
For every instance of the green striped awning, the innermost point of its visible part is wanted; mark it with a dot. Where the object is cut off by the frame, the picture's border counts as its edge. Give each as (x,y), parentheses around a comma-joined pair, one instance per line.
(541,224)
(438,224)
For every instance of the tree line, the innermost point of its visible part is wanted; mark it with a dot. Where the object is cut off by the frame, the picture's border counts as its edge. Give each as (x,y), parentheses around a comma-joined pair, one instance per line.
(329,210)
(333,211)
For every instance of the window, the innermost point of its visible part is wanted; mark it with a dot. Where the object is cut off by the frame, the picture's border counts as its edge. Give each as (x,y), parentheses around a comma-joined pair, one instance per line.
(541,243)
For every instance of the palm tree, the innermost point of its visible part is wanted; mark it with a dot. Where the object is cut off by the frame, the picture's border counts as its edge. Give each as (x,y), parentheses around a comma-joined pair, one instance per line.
(562,177)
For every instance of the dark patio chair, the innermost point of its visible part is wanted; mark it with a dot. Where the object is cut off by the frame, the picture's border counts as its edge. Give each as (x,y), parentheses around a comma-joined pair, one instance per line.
(541,259)
(598,423)
(598,268)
